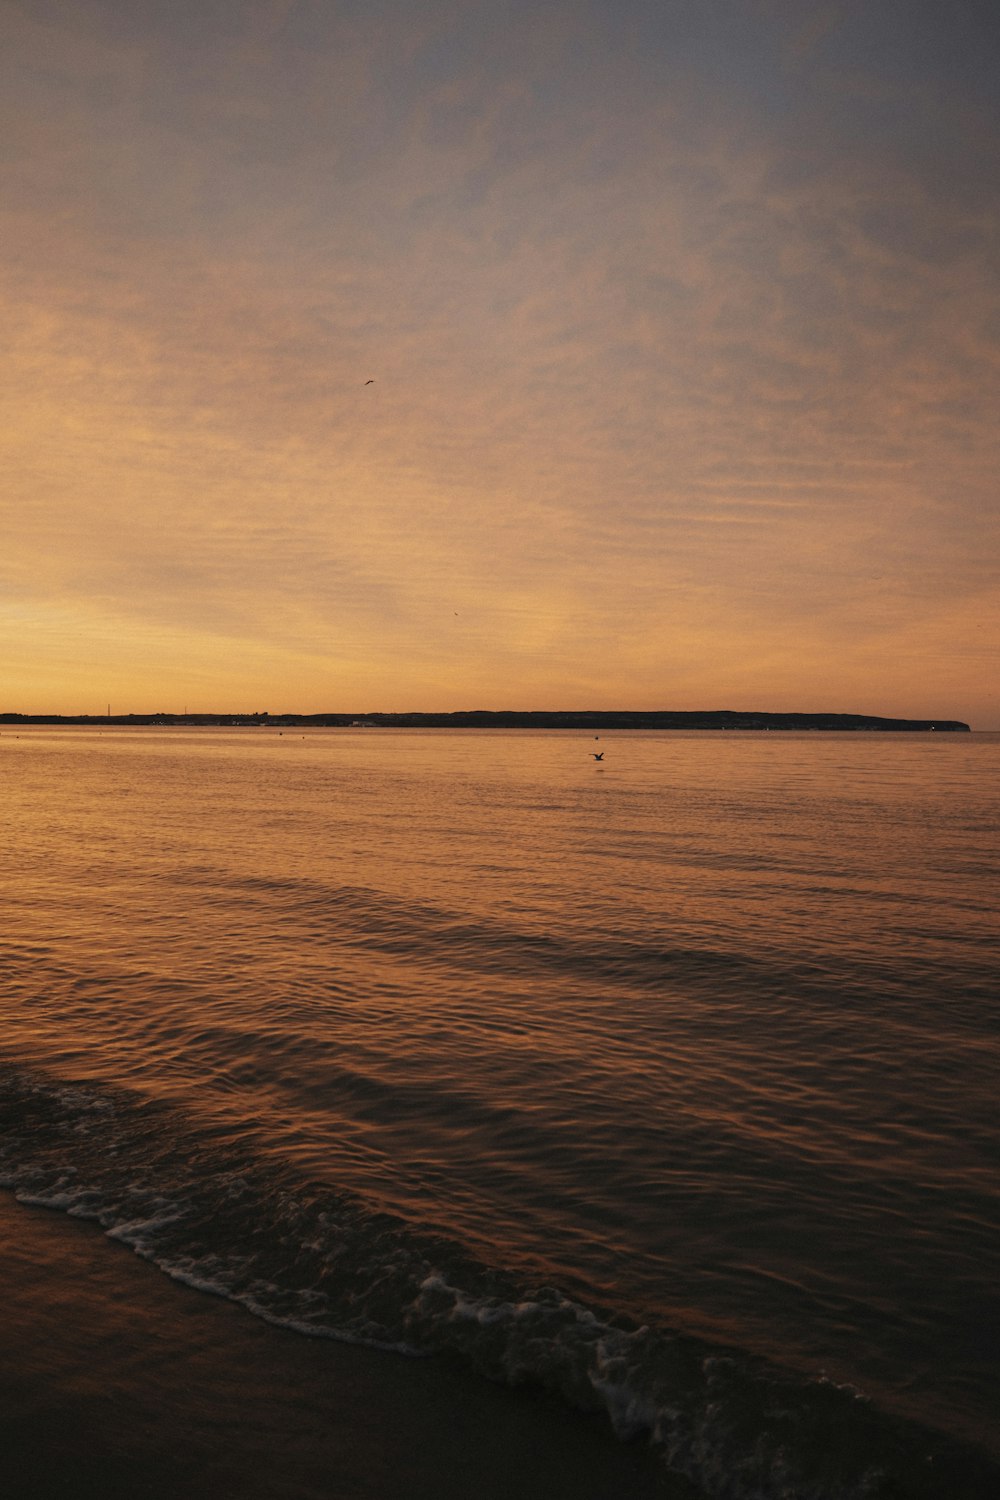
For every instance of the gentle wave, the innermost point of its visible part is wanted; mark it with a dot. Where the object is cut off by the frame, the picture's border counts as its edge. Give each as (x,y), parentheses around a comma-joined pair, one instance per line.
(795,1154)
(594,956)
(706,1043)
(325,1263)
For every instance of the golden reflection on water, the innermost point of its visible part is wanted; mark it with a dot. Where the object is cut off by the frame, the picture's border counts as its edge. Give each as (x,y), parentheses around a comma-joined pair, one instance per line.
(702,1022)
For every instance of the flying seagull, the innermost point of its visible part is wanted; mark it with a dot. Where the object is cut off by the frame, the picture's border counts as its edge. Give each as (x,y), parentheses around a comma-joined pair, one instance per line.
(596,756)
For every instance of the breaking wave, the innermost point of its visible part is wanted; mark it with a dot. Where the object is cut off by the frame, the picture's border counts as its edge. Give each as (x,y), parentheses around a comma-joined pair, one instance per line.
(325,1263)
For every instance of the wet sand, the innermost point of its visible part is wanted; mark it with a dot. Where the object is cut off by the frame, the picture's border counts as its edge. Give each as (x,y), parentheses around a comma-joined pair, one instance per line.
(116,1382)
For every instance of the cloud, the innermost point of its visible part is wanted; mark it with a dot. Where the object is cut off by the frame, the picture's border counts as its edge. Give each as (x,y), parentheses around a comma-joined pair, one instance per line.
(675,365)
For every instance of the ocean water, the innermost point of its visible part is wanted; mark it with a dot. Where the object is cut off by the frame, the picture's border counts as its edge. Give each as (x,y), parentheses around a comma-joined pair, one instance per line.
(668,1082)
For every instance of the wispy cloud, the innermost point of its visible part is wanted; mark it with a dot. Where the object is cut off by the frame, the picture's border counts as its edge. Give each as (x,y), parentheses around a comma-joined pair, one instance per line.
(683,335)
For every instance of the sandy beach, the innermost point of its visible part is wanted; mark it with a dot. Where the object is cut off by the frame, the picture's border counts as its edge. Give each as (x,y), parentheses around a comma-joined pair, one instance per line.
(117,1382)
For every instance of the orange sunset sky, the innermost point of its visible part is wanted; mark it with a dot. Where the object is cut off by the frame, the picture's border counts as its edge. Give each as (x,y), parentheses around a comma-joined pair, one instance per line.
(681,318)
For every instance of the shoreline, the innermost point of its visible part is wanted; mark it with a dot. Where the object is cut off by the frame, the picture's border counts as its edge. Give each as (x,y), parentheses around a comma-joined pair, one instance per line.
(589,719)
(118,1382)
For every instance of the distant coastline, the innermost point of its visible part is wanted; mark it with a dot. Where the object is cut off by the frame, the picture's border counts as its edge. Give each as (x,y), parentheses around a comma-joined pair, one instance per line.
(591,719)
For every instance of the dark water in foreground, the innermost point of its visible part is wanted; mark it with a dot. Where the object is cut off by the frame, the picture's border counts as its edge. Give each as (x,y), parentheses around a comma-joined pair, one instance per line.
(669,1082)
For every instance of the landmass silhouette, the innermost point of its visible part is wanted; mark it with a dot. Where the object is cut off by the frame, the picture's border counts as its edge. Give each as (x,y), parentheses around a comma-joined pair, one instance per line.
(589,719)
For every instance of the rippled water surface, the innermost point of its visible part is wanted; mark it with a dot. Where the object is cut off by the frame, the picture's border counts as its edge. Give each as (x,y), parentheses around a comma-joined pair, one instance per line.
(414,1036)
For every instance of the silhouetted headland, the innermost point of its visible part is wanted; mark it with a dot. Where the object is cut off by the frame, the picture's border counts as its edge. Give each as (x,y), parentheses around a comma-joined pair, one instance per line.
(511,719)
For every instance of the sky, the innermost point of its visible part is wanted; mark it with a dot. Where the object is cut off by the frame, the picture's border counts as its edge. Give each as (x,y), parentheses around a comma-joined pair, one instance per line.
(564,354)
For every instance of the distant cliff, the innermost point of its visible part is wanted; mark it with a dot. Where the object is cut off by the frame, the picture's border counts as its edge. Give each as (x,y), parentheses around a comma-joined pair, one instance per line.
(589,719)
(652,719)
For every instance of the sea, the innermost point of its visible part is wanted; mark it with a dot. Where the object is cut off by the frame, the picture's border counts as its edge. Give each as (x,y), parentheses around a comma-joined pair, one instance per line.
(665,1082)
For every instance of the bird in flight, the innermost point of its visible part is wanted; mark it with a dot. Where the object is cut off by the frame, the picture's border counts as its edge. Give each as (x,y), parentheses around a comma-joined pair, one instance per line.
(596,756)
(369,382)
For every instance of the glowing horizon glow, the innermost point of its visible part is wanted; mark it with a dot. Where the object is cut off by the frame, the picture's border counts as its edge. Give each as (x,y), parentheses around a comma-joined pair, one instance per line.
(682,321)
